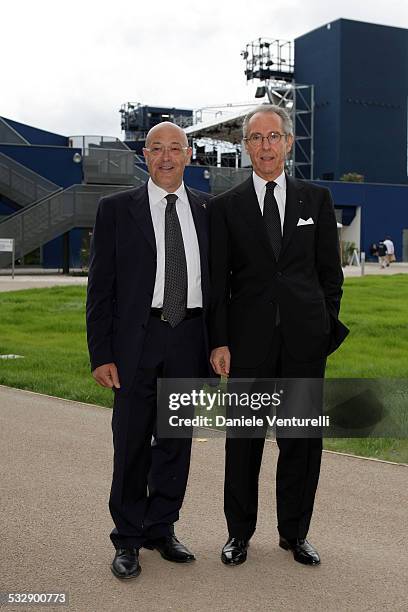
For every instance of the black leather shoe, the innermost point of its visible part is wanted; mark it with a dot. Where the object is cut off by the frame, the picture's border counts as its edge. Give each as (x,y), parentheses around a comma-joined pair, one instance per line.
(303,552)
(234,551)
(171,549)
(126,563)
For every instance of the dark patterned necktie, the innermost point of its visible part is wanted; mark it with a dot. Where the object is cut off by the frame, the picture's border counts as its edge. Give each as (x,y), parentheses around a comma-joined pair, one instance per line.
(272,219)
(175,271)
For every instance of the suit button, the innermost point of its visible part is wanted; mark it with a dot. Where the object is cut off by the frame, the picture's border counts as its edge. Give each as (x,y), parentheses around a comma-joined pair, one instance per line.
(279,273)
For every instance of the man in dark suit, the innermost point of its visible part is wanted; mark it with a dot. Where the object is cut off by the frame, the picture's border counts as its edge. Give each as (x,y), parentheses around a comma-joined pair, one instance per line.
(276,289)
(148,294)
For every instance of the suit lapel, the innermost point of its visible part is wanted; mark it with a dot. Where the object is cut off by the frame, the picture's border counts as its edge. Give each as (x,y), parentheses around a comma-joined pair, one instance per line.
(140,209)
(293,199)
(200,218)
(199,213)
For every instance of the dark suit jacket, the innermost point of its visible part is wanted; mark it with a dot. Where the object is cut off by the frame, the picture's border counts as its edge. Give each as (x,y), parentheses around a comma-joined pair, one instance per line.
(122,274)
(247,282)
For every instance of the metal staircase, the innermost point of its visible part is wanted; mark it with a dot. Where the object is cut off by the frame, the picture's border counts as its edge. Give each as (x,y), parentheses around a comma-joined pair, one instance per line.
(9,135)
(140,176)
(108,166)
(22,185)
(51,217)
(48,211)
(222,179)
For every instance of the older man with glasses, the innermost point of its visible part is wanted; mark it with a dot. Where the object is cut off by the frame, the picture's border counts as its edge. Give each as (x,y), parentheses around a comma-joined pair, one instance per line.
(276,284)
(148,293)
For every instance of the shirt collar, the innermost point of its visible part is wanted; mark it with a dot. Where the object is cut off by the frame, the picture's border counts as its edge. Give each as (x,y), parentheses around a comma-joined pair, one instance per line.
(157,194)
(259,183)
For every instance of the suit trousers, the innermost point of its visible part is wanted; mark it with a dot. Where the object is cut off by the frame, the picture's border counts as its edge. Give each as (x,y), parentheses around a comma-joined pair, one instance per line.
(298,465)
(150,474)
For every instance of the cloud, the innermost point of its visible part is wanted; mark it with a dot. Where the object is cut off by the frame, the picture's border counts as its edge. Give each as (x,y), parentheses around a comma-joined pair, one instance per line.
(70,65)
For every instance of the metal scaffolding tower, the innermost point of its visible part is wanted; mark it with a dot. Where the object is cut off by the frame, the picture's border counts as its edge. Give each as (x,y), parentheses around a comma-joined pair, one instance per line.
(271,62)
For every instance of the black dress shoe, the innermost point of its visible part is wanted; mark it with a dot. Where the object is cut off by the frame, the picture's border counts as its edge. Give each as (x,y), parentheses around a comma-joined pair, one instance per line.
(234,551)
(126,563)
(171,549)
(303,552)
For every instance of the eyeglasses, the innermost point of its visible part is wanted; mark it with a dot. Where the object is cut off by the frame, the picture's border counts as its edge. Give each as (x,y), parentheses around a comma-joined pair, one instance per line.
(173,149)
(257,139)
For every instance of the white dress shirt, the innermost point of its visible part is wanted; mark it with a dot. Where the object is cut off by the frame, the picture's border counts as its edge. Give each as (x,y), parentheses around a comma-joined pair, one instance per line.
(279,193)
(158,204)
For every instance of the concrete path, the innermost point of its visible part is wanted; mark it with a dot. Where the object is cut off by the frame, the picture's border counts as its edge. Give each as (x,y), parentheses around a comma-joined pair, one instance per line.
(371,268)
(46,279)
(25,281)
(54,522)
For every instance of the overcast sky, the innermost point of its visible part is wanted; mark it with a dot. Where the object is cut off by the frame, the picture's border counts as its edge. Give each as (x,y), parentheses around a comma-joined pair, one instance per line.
(68,66)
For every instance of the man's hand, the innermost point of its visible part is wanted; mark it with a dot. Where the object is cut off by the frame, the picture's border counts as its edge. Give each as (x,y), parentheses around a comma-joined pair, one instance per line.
(220,360)
(106,375)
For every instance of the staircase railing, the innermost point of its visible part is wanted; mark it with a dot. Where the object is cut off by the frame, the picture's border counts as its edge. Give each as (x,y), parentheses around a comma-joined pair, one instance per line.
(21,184)
(103,142)
(140,175)
(8,135)
(43,221)
(108,166)
(222,179)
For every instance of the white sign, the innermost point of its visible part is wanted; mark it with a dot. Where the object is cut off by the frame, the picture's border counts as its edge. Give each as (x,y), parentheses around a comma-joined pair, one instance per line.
(6,245)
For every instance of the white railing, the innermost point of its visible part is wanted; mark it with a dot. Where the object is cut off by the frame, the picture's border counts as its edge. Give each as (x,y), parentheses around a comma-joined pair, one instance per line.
(103,142)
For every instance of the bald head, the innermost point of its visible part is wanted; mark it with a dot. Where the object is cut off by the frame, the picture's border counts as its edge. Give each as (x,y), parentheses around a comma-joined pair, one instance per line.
(166,130)
(167,153)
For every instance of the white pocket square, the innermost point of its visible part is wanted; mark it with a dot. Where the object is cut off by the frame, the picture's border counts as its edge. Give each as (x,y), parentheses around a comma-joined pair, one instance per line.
(308,221)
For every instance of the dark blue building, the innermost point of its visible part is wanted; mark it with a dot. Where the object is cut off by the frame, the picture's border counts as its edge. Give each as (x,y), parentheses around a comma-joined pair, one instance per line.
(360,74)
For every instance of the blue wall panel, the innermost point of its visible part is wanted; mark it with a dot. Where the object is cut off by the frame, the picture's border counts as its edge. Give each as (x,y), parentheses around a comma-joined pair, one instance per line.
(360,73)
(75,244)
(6,208)
(38,137)
(384,209)
(317,62)
(54,163)
(194,177)
(53,251)
(374,90)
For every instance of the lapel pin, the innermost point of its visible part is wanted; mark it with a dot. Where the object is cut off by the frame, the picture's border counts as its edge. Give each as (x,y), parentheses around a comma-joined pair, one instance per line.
(204,205)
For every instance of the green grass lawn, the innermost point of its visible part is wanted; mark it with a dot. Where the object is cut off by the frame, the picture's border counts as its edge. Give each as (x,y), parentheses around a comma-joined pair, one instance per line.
(375,308)
(47,327)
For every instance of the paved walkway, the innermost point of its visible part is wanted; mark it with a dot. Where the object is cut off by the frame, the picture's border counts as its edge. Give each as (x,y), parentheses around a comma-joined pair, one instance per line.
(25,280)
(54,523)
(374,268)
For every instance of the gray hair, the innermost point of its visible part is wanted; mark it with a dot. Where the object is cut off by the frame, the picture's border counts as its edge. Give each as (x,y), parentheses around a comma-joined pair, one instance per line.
(287,124)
